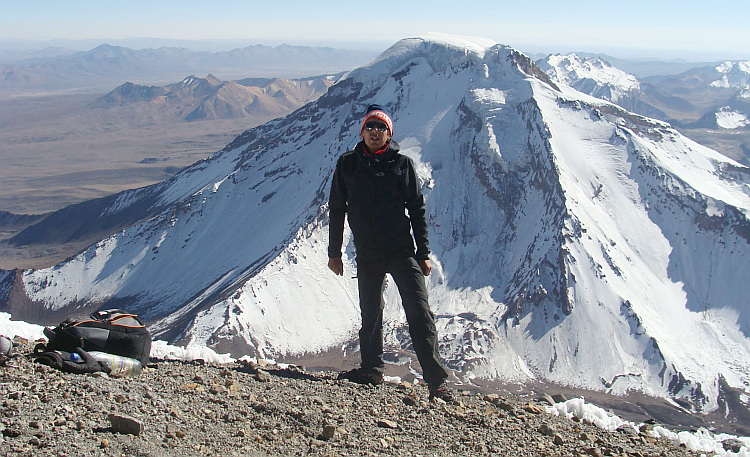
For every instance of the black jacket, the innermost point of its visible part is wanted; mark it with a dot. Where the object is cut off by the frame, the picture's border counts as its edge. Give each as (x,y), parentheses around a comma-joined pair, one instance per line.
(377,192)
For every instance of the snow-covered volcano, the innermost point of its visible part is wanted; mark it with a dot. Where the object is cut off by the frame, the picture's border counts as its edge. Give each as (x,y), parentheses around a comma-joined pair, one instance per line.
(573,241)
(592,76)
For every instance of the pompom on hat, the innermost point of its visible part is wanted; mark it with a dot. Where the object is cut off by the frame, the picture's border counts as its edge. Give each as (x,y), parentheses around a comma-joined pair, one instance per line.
(377,112)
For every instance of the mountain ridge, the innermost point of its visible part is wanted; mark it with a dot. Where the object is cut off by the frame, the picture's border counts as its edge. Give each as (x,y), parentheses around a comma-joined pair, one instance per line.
(209,98)
(106,65)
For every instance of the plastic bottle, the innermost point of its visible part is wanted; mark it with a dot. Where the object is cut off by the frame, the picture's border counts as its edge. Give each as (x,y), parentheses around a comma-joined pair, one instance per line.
(6,345)
(117,364)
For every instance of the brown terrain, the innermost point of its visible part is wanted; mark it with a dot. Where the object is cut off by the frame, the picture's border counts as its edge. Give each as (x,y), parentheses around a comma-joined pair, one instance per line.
(57,150)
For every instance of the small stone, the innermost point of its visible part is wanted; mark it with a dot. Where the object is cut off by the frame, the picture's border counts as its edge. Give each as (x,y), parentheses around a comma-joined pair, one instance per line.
(628,430)
(125,425)
(505,406)
(12,432)
(546,398)
(262,376)
(217,389)
(329,431)
(492,398)
(410,400)
(545,429)
(533,409)
(732,445)
(385,423)
(104,443)
(558,439)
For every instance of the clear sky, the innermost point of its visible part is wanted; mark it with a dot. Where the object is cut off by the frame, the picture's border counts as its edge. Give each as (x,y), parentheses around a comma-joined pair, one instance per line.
(687,29)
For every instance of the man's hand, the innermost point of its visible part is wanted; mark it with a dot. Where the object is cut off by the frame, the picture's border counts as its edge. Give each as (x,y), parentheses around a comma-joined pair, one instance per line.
(336,265)
(425,265)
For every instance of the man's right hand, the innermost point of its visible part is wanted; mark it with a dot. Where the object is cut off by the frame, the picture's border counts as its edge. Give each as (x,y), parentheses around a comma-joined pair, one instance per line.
(336,265)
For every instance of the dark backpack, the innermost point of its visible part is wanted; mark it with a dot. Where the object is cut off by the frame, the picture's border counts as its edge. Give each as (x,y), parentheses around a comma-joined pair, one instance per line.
(112,331)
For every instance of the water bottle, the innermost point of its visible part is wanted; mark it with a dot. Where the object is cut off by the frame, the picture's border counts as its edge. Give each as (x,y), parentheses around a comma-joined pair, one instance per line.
(117,364)
(6,345)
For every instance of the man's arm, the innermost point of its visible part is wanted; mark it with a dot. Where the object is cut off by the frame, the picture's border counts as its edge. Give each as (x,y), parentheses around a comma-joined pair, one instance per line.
(417,214)
(337,206)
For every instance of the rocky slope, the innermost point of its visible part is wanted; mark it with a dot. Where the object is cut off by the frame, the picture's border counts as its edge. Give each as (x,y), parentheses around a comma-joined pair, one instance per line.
(195,408)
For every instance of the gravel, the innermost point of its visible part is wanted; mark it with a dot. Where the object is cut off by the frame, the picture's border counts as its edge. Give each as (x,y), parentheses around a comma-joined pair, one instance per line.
(177,408)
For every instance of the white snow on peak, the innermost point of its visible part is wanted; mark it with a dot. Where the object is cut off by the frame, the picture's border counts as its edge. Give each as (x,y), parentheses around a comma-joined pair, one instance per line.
(474,45)
(735,75)
(461,46)
(727,118)
(478,45)
(591,75)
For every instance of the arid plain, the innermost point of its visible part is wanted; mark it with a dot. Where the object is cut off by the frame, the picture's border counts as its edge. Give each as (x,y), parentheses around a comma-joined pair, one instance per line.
(61,149)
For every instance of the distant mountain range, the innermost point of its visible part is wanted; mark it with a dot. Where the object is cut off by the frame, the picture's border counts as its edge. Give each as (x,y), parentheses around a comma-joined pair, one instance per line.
(698,92)
(199,99)
(712,97)
(106,66)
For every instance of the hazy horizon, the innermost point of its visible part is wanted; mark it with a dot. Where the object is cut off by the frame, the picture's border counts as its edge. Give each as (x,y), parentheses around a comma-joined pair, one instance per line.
(229,44)
(687,30)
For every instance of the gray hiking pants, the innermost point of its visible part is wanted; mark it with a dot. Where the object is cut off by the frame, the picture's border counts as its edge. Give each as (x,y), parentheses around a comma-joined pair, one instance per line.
(410,281)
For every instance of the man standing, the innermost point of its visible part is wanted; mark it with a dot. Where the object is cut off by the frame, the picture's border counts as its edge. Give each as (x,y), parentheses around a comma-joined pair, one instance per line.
(377,186)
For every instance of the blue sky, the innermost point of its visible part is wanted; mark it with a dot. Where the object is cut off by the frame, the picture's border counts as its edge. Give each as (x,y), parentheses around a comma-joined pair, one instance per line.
(685,29)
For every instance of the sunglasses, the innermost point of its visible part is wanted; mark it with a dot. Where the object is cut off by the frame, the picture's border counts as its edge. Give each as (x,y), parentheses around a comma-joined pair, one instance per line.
(379,126)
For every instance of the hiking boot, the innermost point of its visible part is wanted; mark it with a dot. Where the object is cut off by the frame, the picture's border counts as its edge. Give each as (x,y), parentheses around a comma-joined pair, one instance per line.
(363,376)
(442,392)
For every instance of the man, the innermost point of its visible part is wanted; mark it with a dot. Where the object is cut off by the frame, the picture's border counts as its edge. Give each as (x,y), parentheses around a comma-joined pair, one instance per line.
(377,186)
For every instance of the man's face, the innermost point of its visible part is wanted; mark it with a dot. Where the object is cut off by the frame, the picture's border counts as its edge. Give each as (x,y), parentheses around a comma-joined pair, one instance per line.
(375,134)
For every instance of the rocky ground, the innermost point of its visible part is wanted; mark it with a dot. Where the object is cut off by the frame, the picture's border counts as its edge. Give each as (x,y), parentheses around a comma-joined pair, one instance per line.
(176,408)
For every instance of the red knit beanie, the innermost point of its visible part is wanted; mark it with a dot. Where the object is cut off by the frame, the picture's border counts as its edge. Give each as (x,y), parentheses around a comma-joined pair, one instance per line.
(377,112)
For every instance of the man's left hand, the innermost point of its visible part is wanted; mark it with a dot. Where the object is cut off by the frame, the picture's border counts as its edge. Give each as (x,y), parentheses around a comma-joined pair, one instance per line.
(426,267)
